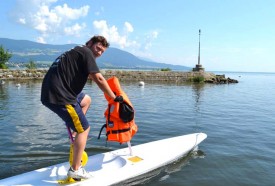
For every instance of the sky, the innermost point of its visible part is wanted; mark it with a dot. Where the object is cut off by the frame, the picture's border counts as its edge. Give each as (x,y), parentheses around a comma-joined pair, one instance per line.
(236,35)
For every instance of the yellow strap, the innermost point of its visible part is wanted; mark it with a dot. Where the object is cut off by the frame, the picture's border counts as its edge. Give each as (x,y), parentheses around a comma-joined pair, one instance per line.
(68,180)
(75,118)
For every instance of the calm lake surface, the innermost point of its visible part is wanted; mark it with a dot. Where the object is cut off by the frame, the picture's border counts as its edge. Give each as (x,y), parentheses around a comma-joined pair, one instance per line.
(239,120)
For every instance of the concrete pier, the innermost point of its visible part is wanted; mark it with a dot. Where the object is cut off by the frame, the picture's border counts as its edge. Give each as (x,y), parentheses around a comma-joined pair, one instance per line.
(127,75)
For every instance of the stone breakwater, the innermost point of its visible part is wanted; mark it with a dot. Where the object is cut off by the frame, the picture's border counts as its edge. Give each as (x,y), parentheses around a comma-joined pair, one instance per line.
(126,75)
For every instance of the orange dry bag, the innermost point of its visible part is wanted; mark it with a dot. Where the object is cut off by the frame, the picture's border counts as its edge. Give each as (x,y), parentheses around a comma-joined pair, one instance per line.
(120,124)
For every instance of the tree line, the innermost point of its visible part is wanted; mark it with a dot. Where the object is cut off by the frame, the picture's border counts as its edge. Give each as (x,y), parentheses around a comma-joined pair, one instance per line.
(5,56)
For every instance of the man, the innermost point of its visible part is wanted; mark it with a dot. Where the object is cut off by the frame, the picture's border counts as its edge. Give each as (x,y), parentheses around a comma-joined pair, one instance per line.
(61,93)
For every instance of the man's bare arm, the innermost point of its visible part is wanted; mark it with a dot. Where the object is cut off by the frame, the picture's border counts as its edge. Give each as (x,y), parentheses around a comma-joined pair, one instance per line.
(102,84)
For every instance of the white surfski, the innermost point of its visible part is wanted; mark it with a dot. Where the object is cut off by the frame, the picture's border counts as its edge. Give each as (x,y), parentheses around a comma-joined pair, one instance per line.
(116,166)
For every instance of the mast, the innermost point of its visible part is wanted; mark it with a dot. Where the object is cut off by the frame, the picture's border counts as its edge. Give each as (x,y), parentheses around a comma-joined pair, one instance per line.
(199,46)
(199,67)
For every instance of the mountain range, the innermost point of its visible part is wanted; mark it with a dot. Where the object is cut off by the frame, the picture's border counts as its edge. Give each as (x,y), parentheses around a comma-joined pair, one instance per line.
(23,51)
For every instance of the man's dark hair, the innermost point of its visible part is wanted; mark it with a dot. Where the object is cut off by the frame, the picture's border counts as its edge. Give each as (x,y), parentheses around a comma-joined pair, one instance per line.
(96,39)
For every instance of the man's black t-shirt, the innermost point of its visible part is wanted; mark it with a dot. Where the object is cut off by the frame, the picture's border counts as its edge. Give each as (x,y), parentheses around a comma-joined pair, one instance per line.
(68,75)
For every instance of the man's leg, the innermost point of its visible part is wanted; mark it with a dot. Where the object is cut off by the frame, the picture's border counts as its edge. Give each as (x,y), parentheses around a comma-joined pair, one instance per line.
(85,103)
(75,118)
(79,146)
(81,138)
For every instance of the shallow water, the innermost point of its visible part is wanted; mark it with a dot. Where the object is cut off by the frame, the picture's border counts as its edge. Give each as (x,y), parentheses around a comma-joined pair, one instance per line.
(238,119)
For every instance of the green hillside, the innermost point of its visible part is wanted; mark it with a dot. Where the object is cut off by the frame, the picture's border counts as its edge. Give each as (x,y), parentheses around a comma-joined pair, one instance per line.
(23,51)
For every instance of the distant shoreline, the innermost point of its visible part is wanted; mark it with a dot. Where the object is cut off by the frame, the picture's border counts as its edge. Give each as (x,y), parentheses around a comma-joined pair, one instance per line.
(128,75)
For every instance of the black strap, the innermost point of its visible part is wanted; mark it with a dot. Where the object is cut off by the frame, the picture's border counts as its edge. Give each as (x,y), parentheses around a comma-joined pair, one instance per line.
(109,109)
(104,126)
(118,131)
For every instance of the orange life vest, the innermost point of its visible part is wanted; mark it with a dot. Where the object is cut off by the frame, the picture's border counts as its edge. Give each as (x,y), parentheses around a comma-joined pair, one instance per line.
(118,128)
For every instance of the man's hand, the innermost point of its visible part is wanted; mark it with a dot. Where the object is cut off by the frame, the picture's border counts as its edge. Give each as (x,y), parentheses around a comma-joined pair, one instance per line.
(119,99)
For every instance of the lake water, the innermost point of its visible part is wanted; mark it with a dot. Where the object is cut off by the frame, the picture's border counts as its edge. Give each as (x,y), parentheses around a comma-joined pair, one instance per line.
(239,120)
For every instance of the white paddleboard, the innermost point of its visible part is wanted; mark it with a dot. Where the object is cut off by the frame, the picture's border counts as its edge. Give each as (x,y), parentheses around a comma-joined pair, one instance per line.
(116,166)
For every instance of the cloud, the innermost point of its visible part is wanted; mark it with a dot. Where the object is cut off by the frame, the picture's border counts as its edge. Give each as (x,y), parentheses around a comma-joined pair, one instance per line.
(40,40)
(22,21)
(149,39)
(128,27)
(75,29)
(52,19)
(112,34)
(70,13)
(123,39)
(97,13)
(48,19)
